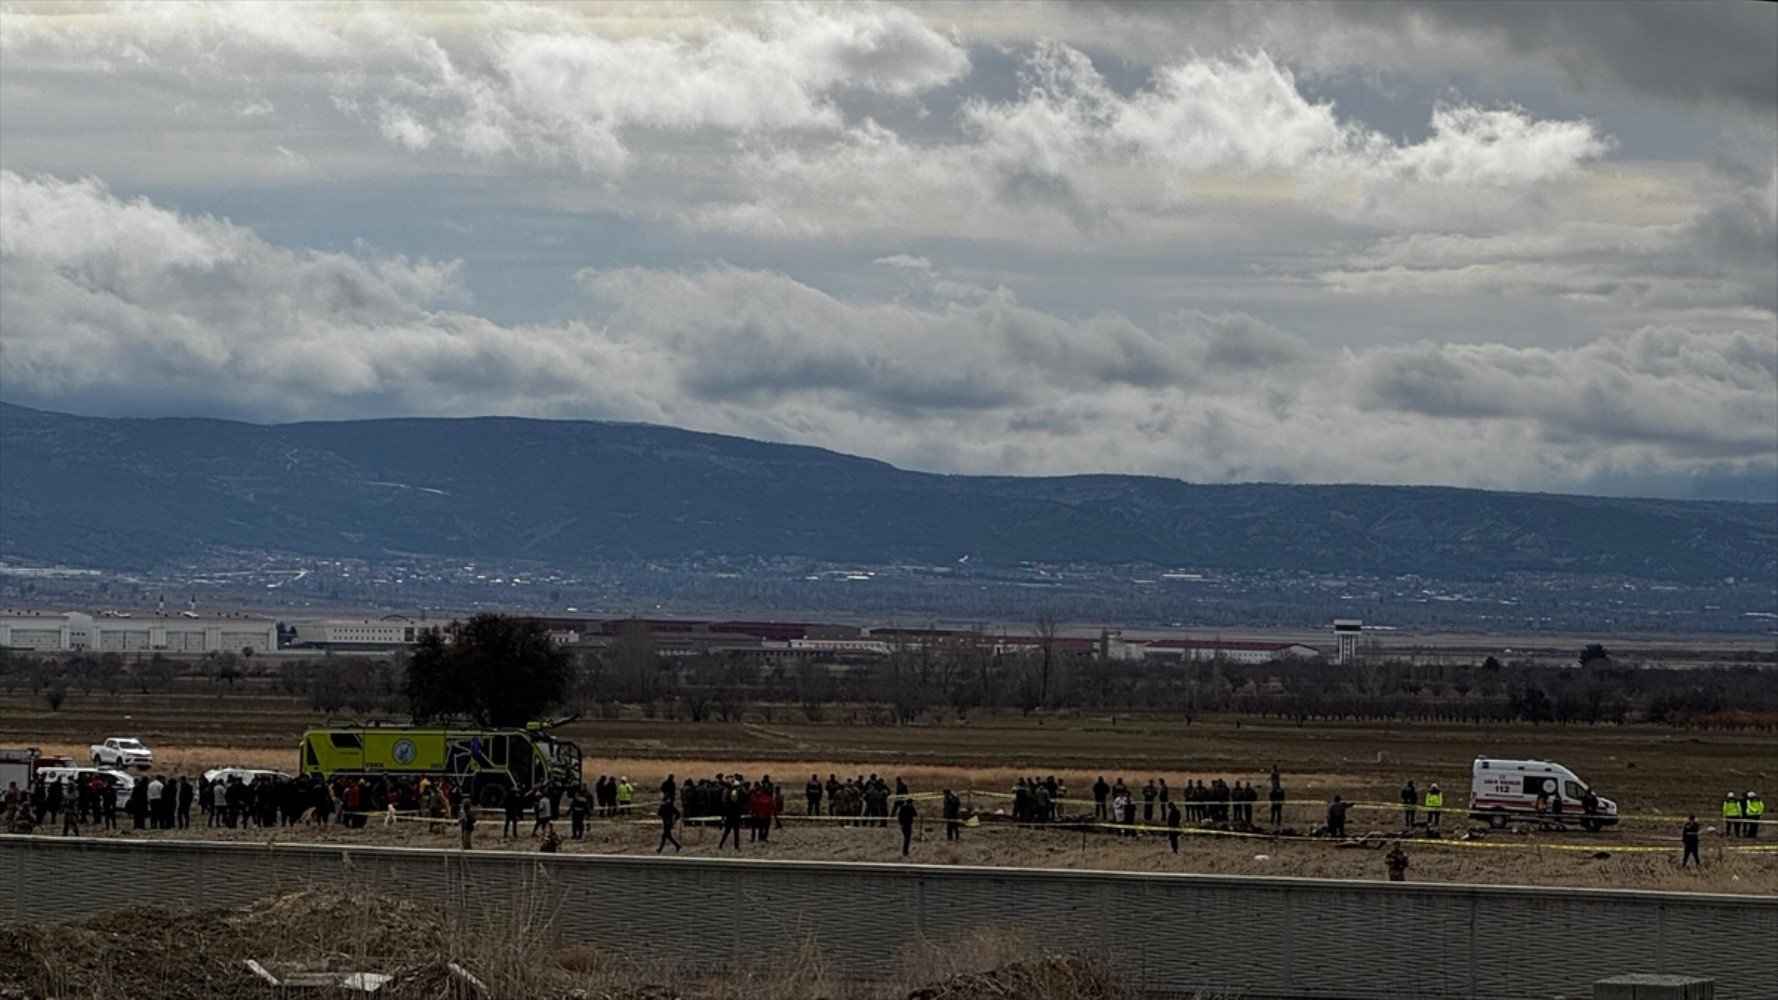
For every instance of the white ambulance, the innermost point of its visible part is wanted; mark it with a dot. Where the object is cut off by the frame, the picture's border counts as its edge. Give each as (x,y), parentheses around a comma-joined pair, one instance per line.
(1505,791)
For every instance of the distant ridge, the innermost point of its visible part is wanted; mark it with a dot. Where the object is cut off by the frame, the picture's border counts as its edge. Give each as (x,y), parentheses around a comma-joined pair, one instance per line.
(137,493)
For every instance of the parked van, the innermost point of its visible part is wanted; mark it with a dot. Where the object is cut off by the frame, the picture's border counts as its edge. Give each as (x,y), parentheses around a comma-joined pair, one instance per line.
(123,781)
(1504,791)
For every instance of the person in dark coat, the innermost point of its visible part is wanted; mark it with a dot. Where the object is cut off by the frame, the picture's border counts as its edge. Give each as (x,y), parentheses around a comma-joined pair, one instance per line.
(669,814)
(137,805)
(905,814)
(186,793)
(1688,838)
(578,807)
(1173,827)
(514,811)
(734,806)
(953,816)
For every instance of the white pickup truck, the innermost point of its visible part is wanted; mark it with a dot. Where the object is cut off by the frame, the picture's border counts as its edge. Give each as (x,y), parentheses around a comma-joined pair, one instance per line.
(121,752)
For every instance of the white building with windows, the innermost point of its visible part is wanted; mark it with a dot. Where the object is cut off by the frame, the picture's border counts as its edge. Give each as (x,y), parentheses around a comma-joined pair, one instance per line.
(359,634)
(1231,651)
(128,633)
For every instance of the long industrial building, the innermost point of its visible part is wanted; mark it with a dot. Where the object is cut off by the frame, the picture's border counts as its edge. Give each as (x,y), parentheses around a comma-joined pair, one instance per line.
(180,633)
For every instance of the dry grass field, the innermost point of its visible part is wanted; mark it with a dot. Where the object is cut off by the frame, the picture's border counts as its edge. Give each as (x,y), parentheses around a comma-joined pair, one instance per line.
(1650,771)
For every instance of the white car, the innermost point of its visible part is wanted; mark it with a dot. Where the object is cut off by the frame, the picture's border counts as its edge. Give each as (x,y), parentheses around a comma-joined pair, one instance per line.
(123,751)
(59,775)
(245,775)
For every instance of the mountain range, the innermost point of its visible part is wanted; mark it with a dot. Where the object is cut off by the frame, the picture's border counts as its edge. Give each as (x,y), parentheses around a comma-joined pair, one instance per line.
(128,493)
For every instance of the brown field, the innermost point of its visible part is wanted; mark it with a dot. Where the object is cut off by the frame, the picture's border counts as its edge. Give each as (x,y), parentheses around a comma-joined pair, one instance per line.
(1650,771)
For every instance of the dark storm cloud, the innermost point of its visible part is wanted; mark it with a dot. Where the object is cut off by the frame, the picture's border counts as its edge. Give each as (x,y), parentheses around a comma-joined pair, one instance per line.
(1687,51)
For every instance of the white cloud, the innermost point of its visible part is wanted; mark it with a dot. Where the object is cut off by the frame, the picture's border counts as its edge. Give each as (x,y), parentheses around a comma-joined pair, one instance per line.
(1183,263)
(400,126)
(905,261)
(129,307)
(1070,158)
(1248,114)
(531,81)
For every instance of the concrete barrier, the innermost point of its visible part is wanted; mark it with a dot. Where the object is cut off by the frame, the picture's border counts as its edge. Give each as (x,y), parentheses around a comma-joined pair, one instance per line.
(1263,937)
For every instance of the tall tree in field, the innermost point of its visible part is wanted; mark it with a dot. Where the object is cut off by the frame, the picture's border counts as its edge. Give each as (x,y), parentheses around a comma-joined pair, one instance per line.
(497,670)
(1048,627)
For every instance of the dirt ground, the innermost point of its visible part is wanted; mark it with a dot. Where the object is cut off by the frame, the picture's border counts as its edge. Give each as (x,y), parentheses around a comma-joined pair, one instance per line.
(201,955)
(1635,860)
(1653,772)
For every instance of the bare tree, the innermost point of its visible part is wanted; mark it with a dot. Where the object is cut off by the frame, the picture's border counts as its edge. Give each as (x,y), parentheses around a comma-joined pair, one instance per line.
(634,661)
(1047,627)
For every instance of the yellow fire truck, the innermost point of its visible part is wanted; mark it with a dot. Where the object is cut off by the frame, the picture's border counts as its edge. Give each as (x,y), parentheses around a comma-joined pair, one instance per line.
(487,762)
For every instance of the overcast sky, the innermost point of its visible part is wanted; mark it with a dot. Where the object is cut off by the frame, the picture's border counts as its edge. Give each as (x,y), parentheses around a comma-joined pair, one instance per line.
(1517,246)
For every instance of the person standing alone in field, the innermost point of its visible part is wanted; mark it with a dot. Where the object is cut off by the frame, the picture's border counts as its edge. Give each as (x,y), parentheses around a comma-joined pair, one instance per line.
(1688,838)
(1277,797)
(953,816)
(669,814)
(1397,862)
(905,814)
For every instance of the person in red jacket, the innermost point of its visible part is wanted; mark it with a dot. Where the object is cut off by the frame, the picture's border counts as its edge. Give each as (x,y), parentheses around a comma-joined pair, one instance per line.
(761,807)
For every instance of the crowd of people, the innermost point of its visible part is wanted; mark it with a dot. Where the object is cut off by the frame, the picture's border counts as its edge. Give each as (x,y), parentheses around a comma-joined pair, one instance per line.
(161,802)
(731,802)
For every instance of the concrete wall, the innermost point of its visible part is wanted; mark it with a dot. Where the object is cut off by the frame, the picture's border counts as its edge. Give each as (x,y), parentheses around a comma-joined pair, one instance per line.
(1266,936)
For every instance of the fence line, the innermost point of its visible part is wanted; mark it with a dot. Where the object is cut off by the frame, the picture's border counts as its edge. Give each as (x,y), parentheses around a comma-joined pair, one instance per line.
(1262,936)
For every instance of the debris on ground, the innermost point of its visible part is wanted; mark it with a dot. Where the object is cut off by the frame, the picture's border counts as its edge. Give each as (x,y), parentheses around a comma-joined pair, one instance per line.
(1054,977)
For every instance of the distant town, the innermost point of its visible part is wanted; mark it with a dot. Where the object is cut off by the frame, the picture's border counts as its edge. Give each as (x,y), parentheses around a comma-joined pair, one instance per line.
(1195,599)
(190,633)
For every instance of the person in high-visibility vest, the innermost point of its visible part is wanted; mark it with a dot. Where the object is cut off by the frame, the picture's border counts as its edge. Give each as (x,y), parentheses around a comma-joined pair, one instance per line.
(1435,801)
(1731,815)
(1753,809)
(625,792)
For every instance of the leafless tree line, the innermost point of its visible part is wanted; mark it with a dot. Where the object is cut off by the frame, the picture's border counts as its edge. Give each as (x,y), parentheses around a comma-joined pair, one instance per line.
(945,680)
